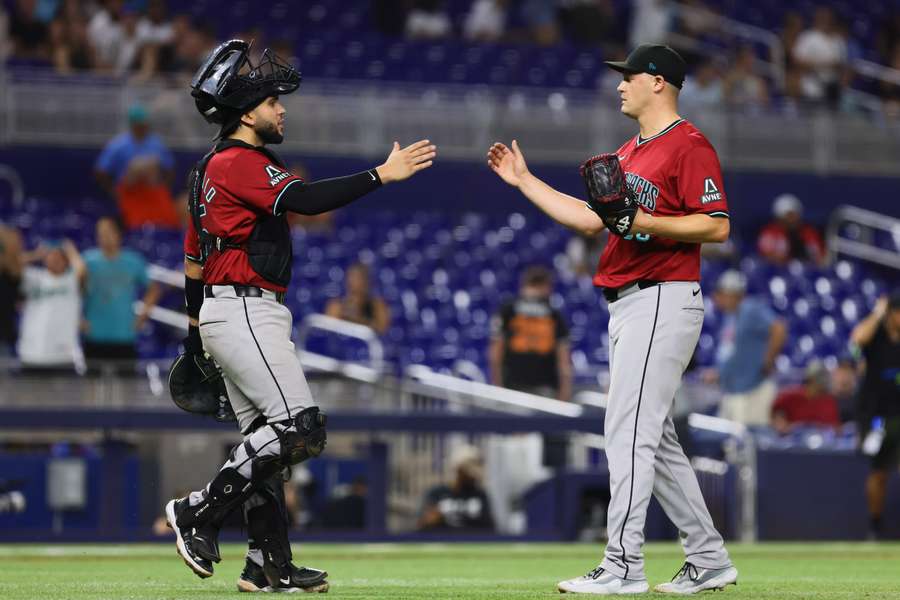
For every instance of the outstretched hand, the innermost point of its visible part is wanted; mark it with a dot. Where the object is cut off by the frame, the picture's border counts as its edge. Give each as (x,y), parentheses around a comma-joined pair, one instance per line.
(404,163)
(508,163)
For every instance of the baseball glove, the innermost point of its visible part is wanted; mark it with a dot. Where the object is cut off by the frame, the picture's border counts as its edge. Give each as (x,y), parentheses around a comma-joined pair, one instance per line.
(608,193)
(197,386)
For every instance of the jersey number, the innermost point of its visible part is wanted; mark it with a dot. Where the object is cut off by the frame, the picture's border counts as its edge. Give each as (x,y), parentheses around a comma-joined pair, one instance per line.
(638,237)
(209,192)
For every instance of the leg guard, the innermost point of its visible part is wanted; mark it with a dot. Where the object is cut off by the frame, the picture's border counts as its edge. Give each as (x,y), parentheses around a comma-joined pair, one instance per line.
(267,522)
(258,458)
(304,438)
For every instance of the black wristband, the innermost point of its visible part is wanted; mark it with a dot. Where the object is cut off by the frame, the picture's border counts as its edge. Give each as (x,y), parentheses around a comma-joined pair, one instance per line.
(193,296)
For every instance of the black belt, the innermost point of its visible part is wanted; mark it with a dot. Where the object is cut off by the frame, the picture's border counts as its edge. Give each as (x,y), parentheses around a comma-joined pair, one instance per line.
(613,294)
(245,291)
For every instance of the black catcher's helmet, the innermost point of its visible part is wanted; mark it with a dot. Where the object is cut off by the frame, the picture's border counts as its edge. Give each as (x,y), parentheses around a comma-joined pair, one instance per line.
(228,85)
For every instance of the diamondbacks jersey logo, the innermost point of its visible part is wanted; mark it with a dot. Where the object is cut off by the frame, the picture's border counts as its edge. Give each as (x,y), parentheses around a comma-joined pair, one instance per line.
(710,192)
(645,192)
(276,175)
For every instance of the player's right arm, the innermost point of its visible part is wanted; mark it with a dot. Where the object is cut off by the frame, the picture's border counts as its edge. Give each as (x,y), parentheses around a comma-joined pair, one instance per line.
(251,180)
(509,164)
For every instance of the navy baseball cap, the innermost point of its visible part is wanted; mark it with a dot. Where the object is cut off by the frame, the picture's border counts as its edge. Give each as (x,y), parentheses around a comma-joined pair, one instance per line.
(654,59)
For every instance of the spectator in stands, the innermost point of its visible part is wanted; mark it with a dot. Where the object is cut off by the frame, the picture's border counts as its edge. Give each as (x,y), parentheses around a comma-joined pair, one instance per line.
(114,276)
(183,51)
(743,87)
(69,46)
(462,504)
(843,388)
(788,237)
(588,22)
(10,281)
(878,339)
(347,509)
(794,101)
(154,28)
(428,20)
(791,28)
(650,22)
(28,33)
(821,53)
(808,404)
(359,305)
(137,169)
(539,17)
(704,89)
(750,337)
(105,34)
(51,311)
(530,349)
(486,20)
(692,24)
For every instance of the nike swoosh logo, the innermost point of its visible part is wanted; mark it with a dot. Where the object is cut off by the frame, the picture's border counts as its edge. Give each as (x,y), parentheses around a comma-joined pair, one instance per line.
(285,581)
(372,175)
(697,292)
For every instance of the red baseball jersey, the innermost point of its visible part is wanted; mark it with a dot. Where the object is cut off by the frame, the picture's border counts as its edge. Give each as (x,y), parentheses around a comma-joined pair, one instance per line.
(240,186)
(673,173)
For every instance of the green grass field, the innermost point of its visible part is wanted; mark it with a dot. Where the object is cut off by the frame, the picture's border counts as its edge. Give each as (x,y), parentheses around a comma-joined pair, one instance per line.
(436,571)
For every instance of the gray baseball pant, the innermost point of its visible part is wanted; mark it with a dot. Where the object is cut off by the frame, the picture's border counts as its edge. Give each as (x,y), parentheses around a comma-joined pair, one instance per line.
(653,333)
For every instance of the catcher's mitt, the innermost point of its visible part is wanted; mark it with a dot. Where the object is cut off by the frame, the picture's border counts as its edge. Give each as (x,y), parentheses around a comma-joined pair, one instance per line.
(608,193)
(196,385)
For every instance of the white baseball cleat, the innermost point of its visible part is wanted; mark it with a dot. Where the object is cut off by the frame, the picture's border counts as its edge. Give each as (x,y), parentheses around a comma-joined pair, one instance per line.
(691,579)
(602,582)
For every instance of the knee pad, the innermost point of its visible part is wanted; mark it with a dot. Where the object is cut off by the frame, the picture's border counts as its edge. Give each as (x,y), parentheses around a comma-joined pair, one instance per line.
(305,438)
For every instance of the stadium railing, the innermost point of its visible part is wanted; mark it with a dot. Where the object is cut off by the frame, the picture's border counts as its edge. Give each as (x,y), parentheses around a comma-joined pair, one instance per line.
(865,225)
(417,420)
(353,118)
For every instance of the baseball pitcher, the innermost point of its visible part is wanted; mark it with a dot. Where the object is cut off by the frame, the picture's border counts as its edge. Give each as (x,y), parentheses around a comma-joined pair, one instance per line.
(660,196)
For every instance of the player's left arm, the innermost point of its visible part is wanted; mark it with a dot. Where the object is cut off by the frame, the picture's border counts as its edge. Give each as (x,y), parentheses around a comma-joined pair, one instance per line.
(701,193)
(698,228)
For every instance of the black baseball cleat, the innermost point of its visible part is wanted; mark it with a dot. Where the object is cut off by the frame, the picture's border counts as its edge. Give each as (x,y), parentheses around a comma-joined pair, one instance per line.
(253,578)
(206,543)
(184,541)
(289,580)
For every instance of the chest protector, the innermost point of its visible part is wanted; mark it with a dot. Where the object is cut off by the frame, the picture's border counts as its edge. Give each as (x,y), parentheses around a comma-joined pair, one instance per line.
(268,247)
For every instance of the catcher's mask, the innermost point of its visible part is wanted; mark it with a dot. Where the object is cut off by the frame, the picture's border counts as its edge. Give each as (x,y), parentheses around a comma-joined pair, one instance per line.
(228,85)
(196,386)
